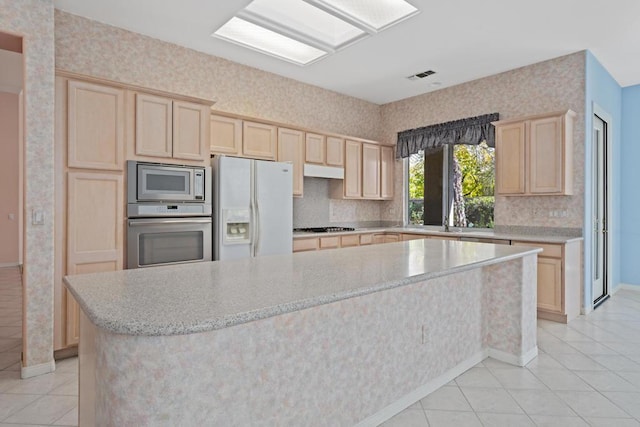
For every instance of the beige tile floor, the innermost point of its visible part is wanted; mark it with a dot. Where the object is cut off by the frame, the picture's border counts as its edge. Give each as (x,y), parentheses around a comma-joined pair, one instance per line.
(587,374)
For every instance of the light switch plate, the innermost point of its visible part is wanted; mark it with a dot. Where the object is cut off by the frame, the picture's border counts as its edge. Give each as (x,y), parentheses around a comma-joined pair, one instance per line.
(37,217)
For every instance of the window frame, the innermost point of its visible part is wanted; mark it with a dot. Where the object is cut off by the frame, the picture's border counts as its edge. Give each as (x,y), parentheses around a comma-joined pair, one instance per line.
(446,204)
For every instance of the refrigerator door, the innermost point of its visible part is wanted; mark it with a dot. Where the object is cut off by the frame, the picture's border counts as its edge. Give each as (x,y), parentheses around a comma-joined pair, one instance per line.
(232,207)
(273,205)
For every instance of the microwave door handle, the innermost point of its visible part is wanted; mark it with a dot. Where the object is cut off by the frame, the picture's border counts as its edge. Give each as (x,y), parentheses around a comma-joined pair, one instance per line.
(133,223)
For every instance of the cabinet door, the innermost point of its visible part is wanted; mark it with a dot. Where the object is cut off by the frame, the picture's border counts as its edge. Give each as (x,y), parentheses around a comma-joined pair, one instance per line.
(95,123)
(353,169)
(390,238)
(154,126)
(370,171)
(546,157)
(314,149)
(290,149)
(510,158)
(190,131)
(406,237)
(550,284)
(329,242)
(95,220)
(259,141)
(386,172)
(349,241)
(226,135)
(335,151)
(301,245)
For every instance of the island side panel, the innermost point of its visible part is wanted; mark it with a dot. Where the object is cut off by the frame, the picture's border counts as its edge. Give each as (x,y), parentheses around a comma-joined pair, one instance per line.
(510,299)
(333,364)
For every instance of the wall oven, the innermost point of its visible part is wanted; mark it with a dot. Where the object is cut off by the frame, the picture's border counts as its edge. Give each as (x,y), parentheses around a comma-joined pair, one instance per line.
(168,214)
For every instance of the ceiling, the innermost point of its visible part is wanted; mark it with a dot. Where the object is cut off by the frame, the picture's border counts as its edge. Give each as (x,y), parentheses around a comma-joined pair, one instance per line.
(462,40)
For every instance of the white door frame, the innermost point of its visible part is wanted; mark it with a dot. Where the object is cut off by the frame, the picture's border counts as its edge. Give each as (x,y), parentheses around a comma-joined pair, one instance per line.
(609,225)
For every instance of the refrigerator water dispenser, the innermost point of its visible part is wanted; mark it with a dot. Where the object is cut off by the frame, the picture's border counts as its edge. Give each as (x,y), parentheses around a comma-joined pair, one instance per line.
(236,225)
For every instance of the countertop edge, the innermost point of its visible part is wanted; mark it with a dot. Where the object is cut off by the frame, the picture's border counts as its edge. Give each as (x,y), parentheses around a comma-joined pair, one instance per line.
(427,232)
(217,323)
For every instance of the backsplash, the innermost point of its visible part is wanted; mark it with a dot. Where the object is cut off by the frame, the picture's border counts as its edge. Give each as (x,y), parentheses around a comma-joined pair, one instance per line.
(316,209)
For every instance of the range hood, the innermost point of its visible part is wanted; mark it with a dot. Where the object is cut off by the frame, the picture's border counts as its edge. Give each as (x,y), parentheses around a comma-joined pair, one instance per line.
(319,171)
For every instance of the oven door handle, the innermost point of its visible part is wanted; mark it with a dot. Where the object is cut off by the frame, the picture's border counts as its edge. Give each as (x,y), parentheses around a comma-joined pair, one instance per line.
(138,222)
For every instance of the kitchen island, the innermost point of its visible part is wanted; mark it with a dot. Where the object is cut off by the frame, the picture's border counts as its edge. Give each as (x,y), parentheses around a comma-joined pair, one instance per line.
(334,338)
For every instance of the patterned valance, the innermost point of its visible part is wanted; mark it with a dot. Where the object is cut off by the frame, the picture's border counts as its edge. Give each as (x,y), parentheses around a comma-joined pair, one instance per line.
(470,131)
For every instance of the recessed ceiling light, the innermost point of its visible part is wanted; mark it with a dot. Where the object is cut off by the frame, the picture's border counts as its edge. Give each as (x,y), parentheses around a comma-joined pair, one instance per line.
(264,40)
(376,14)
(304,20)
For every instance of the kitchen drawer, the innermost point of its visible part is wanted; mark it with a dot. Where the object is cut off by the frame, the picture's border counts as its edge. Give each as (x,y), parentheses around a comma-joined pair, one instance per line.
(406,237)
(366,239)
(351,240)
(329,242)
(483,240)
(548,250)
(300,245)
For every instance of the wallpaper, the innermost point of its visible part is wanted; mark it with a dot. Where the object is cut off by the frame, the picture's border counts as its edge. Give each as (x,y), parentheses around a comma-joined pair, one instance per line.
(92,48)
(33,19)
(553,85)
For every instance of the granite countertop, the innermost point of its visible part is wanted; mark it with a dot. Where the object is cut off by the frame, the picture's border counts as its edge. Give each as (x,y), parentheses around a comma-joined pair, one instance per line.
(486,234)
(199,297)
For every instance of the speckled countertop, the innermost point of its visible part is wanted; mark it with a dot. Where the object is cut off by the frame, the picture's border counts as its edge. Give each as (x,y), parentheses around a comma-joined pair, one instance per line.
(543,238)
(205,296)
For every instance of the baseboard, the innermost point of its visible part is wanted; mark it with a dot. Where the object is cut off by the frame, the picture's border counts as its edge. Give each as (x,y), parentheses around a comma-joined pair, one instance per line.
(421,392)
(512,359)
(35,370)
(554,317)
(9,264)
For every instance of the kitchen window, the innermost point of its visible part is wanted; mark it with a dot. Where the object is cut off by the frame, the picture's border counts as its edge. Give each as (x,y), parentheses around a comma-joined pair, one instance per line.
(452,184)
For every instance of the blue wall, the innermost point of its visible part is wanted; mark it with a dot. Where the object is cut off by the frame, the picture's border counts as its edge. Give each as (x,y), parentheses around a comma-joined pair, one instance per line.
(602,89)
(630,171)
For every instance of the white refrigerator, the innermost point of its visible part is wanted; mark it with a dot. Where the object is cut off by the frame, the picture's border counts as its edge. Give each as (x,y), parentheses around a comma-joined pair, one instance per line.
(252,208)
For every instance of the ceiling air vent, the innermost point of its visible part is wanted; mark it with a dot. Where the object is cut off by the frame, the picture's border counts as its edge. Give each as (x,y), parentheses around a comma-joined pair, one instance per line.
(421,75)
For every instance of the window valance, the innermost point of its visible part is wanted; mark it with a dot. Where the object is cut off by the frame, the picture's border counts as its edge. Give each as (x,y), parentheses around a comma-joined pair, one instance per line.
(470,131)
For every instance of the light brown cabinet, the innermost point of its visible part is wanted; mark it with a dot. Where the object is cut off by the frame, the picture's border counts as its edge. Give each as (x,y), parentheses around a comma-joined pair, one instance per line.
(291,150)
(335,152)
(387,176)
(306,244)
(406,236)
(352,170)
(226,135)
(370,171)
(95,124)
(315,149)
(534,155)
(558,280)
(171,129)
(259,140)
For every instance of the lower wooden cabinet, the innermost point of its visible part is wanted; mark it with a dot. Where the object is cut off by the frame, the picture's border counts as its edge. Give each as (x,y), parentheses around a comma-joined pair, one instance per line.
(559,280)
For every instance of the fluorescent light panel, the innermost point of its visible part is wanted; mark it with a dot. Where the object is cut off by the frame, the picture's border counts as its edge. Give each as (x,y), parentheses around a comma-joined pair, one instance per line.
(377,14)
(306,19)
(256,37)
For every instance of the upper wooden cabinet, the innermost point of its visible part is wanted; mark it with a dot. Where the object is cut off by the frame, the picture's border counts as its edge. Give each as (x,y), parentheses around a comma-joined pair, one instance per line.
(353,170)
(95,126)
(324,150)
(171,129)
(534,155)
(387,176)
(315,149)
(226,135)
(370,171)
(259,140)
(335,151)
(291,149)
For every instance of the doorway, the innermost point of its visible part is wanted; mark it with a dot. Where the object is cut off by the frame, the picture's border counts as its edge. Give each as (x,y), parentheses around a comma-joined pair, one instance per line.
(11,201)
(600,210)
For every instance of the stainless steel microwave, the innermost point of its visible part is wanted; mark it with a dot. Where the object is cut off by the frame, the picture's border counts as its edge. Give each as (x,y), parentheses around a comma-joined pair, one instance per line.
(156,182)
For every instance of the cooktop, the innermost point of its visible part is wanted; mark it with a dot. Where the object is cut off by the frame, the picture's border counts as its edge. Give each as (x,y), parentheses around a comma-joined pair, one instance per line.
(323,229)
